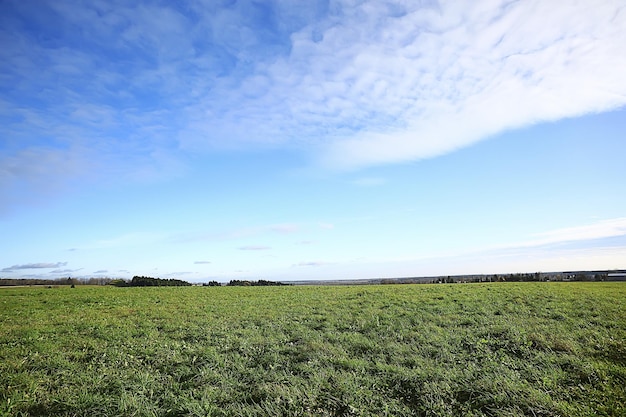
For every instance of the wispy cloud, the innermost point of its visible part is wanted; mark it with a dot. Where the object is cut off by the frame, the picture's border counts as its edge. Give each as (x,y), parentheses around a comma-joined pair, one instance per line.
(65,271)
(451,77)
(285,228)
(586,246)
(45,170)
(311,263)
(40,265)
(352,85)
(598,230)
(202,262)
(597,245)
(384,83)
(101,271)
(254,247)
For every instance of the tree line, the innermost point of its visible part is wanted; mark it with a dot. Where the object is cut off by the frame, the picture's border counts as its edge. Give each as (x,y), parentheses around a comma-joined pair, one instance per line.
(525,277)
(142,281)
(11,282)
(136,281)
(259,283)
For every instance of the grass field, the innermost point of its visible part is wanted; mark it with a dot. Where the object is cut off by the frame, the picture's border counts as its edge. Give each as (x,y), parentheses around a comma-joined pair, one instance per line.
(502,349)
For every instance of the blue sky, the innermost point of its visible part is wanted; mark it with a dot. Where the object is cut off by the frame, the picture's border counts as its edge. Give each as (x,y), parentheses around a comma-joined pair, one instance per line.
(295,140)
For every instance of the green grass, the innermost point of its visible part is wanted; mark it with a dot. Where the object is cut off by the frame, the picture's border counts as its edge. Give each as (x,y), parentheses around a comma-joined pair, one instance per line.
(502,349)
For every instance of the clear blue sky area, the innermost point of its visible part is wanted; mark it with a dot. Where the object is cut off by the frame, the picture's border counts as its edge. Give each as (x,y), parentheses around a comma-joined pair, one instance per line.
(311,140)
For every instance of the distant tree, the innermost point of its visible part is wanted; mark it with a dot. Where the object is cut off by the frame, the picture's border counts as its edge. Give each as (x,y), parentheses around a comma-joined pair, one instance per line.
(96,281)
(238,283)
(259,283)
(265,283)
(141,281)
(580,277)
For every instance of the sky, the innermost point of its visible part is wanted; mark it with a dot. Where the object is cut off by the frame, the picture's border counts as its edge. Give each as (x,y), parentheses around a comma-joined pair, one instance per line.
(291,140)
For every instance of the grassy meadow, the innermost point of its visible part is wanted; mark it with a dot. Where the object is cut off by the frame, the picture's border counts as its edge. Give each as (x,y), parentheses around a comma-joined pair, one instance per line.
(500,349)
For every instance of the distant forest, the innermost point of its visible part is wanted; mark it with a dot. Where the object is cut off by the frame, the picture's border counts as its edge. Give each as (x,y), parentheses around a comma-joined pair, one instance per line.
(11,282)
(142,281)
(259,283)
(136,281)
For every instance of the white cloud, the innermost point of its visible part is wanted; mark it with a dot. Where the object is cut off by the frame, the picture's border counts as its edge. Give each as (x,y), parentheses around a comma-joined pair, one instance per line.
(39,265)
(383,82)
(566,240)
(311,263)
(513,259)
(599,230)
(582,247)
(573,248)
(353,84)
(64,271)
(500,68)
(254,247)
